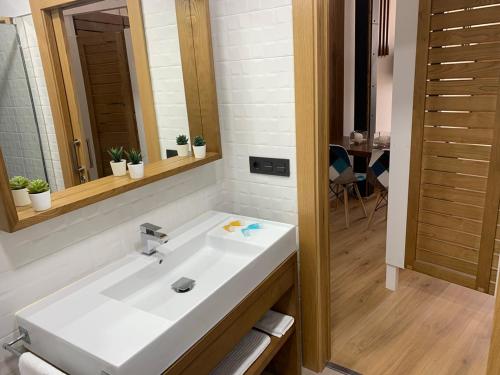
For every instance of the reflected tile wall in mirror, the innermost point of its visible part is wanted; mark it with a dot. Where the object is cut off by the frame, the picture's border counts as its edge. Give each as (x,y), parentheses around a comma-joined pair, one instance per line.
(19,136)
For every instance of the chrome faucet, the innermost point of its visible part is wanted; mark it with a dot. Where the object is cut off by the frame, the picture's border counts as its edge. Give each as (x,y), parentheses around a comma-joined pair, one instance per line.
(152,238)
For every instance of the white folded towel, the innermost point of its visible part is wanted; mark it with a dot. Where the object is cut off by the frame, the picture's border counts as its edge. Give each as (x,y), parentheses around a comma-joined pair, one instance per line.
(30,364)
(244,354)
(275,323)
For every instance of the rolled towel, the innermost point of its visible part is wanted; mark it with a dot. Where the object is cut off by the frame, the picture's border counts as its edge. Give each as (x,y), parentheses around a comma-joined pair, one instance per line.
(275,323)
(244,354)
(30,364)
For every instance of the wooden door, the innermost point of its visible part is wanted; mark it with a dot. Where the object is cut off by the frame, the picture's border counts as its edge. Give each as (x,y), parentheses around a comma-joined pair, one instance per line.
(109,95)
(453,198)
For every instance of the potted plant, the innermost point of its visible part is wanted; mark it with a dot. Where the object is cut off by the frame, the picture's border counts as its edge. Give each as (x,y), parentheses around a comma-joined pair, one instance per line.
(199,147)
(182,145)
(118,164)
(39,192)
(18,185)
(135,165)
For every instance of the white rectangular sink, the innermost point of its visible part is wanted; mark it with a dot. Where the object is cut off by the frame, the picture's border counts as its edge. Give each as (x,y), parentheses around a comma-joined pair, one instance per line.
(126,318)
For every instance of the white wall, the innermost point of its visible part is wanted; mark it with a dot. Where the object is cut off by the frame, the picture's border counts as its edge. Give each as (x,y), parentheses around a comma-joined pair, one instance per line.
(385,66)
(253,52)
(255,88)
(14,8)
(402,106)
(349,67)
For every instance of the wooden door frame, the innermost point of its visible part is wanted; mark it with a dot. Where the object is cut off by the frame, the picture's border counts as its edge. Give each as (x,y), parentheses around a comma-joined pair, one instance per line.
(54,50)
(310,35)
(417,132)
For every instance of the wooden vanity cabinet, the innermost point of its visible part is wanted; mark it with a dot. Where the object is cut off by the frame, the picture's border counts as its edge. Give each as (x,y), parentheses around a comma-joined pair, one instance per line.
(278,292)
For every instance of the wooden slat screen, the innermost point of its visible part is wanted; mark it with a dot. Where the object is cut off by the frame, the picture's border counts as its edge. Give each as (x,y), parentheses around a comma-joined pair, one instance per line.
(454,135)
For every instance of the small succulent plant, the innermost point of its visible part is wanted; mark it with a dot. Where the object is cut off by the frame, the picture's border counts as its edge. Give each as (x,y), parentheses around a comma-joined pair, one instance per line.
(18,182)
(182,140)
(38,186)
(134,156)
(199,141)
(116,154)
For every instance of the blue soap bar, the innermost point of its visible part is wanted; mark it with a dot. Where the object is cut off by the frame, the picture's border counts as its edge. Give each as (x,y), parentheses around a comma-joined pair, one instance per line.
(248,228)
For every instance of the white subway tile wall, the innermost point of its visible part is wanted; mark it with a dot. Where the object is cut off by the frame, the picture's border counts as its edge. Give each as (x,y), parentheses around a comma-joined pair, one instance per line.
(42,259)
(254,71)
(253,53)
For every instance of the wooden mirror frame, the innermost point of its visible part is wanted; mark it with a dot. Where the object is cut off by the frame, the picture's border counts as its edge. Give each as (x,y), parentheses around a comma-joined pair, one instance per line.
(195,41)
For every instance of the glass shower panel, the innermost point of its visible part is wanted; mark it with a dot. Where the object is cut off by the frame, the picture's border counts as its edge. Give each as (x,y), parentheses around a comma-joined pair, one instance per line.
(19,133)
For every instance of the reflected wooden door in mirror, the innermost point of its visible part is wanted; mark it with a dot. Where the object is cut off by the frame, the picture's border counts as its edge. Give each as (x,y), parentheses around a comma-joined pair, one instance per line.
(117,76)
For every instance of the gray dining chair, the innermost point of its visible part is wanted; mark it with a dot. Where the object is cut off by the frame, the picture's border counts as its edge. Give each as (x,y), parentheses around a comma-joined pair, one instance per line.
(342,177)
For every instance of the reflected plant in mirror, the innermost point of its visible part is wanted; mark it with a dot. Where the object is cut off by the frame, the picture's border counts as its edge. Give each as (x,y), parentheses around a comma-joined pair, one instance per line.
(182,145)
(39,192)
(199,147)
(18,186)
(118,164)
(135,165)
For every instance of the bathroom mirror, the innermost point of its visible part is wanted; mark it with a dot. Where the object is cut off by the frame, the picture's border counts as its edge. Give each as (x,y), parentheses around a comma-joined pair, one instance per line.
(91,76)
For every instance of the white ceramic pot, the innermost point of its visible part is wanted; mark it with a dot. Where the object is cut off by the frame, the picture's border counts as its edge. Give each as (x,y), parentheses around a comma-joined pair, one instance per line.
(200,151)
(136,170)
(182,150)
(41,201)
(119,168)
(21,197)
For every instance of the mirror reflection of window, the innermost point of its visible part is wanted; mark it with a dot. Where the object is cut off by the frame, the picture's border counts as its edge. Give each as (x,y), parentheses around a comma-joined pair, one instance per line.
(20,139)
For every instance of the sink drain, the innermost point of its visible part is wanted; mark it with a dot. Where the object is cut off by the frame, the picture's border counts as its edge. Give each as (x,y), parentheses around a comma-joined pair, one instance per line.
(183,285)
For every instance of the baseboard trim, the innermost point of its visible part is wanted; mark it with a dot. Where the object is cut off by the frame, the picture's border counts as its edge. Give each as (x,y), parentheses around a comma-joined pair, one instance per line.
(341,369)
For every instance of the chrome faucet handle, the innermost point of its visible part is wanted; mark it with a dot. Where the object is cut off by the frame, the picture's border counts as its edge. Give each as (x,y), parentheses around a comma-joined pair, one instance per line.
(150,229)
(152,238)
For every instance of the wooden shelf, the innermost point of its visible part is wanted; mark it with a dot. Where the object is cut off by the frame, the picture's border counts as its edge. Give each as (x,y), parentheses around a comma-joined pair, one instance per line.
(80,196)
(277,292)
(266,357)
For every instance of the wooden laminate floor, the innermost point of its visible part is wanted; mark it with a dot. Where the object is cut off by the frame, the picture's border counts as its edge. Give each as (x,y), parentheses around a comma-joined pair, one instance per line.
(427,327)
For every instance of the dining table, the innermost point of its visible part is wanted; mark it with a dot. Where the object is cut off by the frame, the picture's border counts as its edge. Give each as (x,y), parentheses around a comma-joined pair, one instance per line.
(363,150)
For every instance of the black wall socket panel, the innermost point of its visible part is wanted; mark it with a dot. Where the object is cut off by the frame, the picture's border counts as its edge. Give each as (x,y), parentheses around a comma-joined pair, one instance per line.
(270,166)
